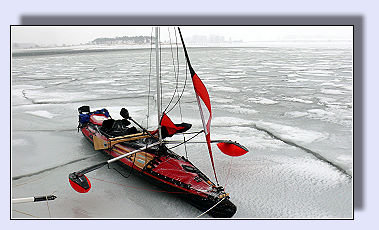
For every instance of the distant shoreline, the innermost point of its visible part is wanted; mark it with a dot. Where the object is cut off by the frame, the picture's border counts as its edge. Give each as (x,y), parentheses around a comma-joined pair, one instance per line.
(17,52)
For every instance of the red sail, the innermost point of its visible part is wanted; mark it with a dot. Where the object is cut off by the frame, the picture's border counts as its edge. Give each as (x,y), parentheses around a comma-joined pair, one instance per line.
(201,94)
(169,128)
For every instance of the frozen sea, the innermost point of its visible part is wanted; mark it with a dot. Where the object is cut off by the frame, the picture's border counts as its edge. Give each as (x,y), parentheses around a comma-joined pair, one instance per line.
(290,106)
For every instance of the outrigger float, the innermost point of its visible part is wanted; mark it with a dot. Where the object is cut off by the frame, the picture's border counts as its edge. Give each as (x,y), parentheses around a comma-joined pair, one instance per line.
(147,154)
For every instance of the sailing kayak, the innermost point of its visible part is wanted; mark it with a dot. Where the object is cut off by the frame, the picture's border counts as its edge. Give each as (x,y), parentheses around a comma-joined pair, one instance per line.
(158,165)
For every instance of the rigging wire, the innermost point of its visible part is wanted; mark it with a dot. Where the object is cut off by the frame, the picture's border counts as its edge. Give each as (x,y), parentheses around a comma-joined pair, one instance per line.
(149,82)
(175,73)
(180,107)
(177,77)
(227,177)
(181,94)
(187,140)
(176,91)
(160,71)
(131,168)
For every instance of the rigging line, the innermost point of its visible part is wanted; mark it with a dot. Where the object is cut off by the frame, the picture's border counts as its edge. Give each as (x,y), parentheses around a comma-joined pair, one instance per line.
(187,140)
(177,57)
(131,168)
(175,73)
(227,177)
(160,72)
(180,107)
(148,95)
(184,87)
(185,81)
(189,133)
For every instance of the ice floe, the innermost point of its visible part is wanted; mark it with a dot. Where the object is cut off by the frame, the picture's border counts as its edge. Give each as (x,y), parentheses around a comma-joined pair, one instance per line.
(262,100)
(42,113)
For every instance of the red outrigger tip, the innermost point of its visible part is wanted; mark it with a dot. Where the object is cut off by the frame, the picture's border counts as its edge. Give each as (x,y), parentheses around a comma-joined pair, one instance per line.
(232,148)
(79,182)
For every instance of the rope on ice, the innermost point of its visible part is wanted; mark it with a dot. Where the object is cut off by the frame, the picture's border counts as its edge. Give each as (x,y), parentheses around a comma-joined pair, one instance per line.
(211,207)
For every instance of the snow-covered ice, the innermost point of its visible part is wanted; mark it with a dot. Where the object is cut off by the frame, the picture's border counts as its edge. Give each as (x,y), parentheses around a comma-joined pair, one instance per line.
(288,106)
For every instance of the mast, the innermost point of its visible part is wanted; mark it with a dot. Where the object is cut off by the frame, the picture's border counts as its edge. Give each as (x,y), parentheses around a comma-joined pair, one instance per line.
(157,64)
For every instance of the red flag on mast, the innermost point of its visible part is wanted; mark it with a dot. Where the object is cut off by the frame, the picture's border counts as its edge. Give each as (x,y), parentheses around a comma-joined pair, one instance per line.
(201,96)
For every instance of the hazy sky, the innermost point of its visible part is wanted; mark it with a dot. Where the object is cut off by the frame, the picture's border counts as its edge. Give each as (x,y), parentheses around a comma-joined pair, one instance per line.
(45,35)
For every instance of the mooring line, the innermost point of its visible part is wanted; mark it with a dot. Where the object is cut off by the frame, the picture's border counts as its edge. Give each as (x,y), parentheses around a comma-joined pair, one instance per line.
(211,208)
(227,177)
(48,208)
(25,213)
